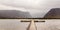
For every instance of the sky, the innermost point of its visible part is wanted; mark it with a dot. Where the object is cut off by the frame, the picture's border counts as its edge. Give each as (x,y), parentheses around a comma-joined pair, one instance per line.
(37,8)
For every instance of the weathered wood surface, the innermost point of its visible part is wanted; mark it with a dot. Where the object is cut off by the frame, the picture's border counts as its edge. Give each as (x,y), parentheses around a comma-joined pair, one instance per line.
(32,26)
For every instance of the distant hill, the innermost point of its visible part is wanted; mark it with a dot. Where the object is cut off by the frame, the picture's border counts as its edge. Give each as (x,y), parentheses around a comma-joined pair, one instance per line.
(53,13)
(14,14)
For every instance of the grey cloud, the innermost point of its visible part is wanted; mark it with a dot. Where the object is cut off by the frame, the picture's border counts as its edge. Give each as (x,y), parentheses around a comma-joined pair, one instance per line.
(32,5)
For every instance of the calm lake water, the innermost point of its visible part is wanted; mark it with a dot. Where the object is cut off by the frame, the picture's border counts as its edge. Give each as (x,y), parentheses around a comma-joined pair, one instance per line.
(15,24)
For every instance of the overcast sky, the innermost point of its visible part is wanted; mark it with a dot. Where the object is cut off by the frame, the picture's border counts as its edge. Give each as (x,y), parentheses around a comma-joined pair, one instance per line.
(35,7)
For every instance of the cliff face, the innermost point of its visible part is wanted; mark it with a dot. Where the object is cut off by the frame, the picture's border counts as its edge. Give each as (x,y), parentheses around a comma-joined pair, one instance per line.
(14,14)
(53,13)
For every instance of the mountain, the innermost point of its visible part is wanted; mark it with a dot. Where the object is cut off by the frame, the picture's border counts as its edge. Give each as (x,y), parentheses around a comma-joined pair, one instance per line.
(53,13)
(14,14)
